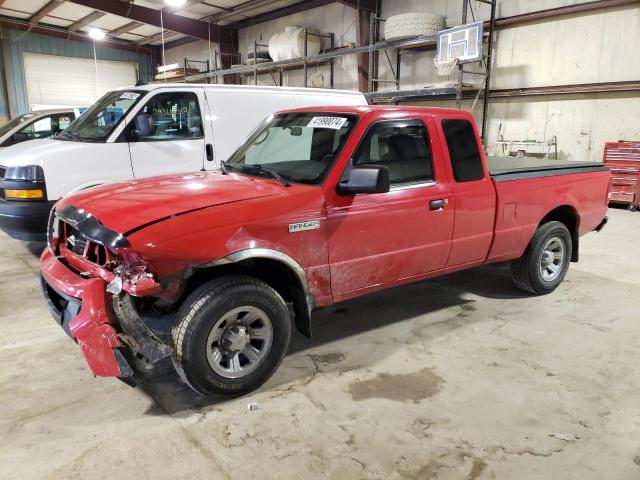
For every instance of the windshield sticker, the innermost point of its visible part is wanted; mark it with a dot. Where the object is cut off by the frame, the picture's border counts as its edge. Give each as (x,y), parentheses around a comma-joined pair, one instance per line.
(130,95)
(334,123)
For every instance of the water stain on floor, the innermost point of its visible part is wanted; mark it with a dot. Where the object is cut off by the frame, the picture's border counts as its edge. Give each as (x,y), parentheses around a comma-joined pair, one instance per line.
(328,358)
(414,386)
(477,468)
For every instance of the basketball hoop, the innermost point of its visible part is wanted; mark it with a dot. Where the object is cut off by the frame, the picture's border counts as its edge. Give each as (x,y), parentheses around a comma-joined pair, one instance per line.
(445,66)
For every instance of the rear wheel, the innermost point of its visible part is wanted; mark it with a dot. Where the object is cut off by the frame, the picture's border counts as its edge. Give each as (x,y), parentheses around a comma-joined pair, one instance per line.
(545,261)
(231,336)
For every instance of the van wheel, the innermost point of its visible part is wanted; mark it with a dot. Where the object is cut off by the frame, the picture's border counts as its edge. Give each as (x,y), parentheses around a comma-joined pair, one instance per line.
(232,333)
(545,261)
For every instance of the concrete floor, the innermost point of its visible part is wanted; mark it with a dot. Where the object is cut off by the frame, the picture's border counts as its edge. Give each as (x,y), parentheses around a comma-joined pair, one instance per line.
(458,377)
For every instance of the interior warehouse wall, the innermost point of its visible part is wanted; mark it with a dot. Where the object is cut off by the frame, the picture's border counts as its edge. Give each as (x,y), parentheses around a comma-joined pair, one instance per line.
(17,42)
(333,18)
(198,50)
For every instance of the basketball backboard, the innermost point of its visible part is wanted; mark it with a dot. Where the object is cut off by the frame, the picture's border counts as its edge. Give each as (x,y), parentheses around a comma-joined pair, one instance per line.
(463,42)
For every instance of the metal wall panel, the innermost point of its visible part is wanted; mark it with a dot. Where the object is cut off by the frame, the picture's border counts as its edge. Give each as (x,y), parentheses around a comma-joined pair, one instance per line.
(17,43)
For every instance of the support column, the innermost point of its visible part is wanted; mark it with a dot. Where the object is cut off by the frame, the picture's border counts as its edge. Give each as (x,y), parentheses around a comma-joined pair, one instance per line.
(229,51)
(8,81)
(362,37)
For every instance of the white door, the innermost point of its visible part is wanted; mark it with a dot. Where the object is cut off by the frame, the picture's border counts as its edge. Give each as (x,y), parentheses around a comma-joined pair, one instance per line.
(54,81)
(177,143)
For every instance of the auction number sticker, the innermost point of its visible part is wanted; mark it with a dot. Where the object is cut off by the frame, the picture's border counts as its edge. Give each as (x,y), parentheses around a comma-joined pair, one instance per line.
(334,123)
(129,95)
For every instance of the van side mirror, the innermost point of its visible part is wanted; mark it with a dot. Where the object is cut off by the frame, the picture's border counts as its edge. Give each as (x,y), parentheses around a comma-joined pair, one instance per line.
(142,126)
(365,179)
(21,137)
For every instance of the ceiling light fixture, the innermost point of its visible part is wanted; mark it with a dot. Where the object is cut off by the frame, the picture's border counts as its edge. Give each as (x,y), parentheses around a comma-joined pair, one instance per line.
(96,34)
(175,3)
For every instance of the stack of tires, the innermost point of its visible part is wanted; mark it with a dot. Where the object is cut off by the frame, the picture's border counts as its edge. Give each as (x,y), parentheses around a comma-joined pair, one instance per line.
(261,56)
(409,25)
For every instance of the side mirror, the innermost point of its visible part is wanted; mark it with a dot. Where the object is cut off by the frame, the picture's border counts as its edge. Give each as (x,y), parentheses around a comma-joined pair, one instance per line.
(369,179)
(142,126)
(21,137)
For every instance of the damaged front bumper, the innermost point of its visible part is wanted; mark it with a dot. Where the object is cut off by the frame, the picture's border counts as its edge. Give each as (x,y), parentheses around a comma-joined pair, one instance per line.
(113,338)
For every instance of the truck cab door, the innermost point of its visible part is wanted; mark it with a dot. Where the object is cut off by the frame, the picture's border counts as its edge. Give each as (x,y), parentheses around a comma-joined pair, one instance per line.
(385,238)
(473,191)
(175,136)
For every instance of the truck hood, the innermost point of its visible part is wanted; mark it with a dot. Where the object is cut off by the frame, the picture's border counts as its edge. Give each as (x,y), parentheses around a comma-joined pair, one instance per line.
(124,207)
(32,152)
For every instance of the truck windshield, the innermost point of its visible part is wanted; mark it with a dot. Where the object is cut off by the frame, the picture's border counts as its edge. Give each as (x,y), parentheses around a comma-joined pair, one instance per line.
(97,123)
(7,127)
(298,147)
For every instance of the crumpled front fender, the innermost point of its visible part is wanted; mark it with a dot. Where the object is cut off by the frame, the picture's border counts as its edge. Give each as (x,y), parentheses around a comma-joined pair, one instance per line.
(93,326)
(94,332)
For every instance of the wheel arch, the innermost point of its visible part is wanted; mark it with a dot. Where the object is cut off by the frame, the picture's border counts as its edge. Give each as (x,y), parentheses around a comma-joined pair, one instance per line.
(276,269)
(567,215)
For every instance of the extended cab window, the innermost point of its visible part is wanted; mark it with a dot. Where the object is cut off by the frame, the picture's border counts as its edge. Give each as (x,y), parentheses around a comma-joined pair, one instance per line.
(175,115)
(463,150)
(402,147)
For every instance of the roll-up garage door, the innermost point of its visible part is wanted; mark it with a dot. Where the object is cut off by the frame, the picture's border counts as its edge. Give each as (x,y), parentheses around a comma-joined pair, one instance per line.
(54,81)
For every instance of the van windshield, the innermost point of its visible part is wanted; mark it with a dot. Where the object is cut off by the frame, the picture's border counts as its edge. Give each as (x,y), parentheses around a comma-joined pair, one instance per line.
(298,147)
(97,123)
(7,127)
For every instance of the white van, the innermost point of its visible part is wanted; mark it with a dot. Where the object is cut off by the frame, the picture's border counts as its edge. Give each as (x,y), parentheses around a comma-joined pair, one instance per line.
(139,132)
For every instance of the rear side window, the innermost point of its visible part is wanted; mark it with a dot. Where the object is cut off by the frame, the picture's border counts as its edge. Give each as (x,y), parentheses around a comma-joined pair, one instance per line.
(463,150)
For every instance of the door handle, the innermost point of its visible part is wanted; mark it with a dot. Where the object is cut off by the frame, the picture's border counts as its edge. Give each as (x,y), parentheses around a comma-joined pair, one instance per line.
(437,204)
(209,149)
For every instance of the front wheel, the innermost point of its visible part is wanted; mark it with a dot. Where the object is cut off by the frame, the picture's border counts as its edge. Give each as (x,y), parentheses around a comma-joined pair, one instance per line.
(545,261)
(231,336)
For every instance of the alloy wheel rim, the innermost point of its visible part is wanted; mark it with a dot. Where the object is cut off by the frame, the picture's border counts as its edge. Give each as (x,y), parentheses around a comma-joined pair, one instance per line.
(239,342)
(552,259)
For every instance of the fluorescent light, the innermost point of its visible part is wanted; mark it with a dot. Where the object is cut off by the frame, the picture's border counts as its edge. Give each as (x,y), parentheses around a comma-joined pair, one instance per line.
(96,34)
(175,3)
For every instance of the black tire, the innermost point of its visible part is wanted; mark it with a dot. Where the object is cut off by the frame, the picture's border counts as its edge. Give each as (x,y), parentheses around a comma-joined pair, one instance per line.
(527,270)
(197,317)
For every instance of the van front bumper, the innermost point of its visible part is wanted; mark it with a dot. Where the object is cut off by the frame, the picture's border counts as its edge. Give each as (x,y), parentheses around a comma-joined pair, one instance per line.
(25,220)
(80,307)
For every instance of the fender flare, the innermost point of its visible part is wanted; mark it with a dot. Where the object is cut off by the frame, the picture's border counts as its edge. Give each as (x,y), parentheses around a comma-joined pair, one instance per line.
(303,322)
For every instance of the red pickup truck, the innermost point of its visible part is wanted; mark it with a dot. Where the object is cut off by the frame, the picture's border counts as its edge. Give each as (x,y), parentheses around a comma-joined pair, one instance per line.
(317,206)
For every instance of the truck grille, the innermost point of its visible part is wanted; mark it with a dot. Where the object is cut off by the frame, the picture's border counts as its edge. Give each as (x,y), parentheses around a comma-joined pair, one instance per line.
(75,241)
(3,171)
(79,245)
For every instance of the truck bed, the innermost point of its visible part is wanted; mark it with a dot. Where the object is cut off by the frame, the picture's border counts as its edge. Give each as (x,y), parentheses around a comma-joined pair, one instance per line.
(514,168)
